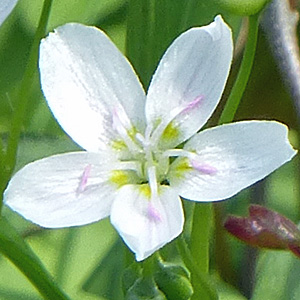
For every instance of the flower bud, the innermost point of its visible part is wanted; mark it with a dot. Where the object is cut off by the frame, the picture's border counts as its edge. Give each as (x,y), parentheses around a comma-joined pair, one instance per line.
(173,281)
(266,229)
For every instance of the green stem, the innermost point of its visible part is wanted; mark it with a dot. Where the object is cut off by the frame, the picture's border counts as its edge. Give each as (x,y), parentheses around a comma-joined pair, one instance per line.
(200,235)
(244,73)
(199,245)
(203,213)
(223,260)
(203,286)
(24,92)
(16,250)
(222,257)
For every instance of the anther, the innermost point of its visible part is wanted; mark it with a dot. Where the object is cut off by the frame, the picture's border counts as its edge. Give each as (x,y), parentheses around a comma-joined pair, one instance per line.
(193,104)
(153,213)
(122,125)
(84,179)
(203,167)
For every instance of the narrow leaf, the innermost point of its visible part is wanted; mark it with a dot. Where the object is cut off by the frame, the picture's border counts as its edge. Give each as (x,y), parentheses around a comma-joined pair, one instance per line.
(18,252)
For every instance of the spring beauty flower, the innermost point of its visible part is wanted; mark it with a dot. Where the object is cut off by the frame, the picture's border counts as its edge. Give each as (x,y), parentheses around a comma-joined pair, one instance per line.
(6,7)
(131,168)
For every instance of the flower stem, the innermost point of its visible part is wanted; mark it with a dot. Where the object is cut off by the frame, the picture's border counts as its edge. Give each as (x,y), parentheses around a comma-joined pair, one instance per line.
(199,245)
(24,92)
(203,213)
(201,281)
(222,258)
(244,73)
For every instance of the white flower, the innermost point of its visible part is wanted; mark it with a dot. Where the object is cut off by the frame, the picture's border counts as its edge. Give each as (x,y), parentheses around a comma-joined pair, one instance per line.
(6,7)
(131,168)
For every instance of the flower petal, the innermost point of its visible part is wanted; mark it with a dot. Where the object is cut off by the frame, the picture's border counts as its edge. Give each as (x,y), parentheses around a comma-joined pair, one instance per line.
(147,224)
(229,158)
(63,190)
(85,79)
(195,67)
(6,7)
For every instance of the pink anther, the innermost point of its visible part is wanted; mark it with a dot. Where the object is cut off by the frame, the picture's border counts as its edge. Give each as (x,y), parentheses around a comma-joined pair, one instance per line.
(84,179)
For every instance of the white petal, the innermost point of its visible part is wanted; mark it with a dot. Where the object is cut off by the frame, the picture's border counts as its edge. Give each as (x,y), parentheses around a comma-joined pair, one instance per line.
(195,65)
(230,158)
(85,78)
(6,6)
(62,190)
(146,225)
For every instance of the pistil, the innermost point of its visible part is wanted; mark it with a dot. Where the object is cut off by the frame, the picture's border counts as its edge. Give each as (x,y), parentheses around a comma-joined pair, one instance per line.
(153,212)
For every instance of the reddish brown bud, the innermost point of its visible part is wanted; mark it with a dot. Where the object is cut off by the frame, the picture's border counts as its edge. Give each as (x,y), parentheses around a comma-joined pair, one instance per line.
(265,228)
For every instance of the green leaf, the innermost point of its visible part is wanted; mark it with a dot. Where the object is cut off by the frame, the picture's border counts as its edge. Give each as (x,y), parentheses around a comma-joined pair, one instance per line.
(137,285)
(11,294)
(145,289)
(17,251)
(106,279)
(130,275)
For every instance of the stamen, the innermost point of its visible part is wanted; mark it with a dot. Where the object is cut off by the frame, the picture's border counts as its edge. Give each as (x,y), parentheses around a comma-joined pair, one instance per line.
(203,168)
(119,112)
(179,152)
(122,125)
(182,109)
(153,213)
(145,143)
(84,179)
(139,137)
(194,160)
(193,104)
(130,165)
(185,108)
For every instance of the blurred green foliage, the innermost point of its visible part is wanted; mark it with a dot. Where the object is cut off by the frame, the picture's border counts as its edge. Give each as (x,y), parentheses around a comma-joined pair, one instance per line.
(243,7)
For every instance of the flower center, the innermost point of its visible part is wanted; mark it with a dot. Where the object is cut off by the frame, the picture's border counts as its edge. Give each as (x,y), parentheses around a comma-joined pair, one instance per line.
(138,148)
(148,160)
